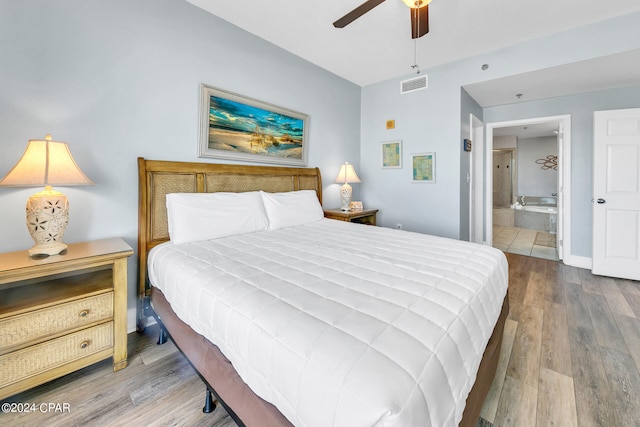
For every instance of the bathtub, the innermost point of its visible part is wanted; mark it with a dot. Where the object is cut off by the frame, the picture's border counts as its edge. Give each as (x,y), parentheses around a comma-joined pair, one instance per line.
(541,208)
(538,213)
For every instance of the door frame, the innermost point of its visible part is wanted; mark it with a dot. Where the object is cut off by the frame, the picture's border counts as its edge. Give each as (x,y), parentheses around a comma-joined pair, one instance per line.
(476,181)
(564,179)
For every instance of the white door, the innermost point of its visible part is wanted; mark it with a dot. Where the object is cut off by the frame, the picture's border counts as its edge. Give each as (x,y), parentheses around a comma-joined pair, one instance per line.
(616,193)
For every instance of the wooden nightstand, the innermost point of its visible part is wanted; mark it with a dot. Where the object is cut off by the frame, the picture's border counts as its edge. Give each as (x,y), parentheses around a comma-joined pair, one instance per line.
(366,216)
(62,313)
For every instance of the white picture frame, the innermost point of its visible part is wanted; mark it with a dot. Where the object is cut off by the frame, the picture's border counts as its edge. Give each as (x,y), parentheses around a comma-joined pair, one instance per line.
(423,168)
(391,154)
(236,127)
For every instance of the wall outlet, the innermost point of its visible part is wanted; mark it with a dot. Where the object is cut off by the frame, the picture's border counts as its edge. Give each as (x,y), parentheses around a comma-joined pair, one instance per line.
(399,226)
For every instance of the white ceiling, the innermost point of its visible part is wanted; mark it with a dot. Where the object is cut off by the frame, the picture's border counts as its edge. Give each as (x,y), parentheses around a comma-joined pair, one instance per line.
(378,45)
(536,130)
(606,72)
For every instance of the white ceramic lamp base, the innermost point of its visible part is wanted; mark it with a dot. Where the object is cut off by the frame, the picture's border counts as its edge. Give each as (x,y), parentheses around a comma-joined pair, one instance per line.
(345,197)
(47,219)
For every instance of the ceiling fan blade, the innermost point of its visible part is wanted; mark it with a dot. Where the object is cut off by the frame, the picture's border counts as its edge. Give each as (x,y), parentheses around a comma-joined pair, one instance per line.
(356,13)
(419,22)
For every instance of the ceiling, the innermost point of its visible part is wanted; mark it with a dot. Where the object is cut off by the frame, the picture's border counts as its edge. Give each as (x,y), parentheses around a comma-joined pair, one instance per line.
(536,130)
(378,45)
(605,72)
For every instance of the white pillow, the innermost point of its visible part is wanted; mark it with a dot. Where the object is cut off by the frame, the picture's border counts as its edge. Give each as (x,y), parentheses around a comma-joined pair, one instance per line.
(203,216)
(291,208)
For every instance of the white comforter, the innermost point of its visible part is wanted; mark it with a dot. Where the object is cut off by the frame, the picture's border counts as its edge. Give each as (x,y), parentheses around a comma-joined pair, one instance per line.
(341,324)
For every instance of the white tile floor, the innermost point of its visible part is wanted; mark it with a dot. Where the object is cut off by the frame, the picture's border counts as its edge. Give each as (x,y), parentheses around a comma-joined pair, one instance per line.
(521,241)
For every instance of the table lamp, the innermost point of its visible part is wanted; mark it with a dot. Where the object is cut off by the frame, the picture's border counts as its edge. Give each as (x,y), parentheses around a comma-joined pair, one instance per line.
(46,163)
(346,175)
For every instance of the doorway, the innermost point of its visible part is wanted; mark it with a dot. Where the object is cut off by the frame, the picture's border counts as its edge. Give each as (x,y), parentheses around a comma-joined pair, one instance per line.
(531,186)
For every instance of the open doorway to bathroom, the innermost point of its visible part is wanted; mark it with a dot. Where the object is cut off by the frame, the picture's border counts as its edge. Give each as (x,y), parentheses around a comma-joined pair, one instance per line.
(525,191)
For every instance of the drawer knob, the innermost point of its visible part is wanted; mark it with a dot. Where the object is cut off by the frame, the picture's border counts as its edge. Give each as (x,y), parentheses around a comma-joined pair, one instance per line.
(84,313)
(84,344)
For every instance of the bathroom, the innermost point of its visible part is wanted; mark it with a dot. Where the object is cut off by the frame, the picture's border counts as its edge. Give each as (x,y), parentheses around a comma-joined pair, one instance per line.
(525,187)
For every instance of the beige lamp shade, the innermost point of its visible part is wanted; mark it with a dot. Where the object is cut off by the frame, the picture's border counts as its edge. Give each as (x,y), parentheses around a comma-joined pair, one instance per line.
(346,175)
(47,163)
(416,4)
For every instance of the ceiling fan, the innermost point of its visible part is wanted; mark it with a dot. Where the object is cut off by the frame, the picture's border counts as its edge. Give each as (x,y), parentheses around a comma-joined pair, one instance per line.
(419,15)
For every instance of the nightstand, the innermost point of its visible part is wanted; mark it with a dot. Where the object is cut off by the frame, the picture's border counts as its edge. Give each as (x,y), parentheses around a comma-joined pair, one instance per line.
(62,313)
(365,216)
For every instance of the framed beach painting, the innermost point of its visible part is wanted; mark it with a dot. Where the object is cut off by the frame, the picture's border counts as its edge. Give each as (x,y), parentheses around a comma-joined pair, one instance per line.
(391,155)
(423,167)
(239,128)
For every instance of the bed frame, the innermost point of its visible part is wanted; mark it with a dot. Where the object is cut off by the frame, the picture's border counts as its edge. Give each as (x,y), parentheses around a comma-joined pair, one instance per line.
(159,178)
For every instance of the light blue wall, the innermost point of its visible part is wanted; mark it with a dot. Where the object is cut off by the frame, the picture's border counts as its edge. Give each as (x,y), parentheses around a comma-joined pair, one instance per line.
(533,180)
(120,79)
(425,122)
(581,108)
(429,120)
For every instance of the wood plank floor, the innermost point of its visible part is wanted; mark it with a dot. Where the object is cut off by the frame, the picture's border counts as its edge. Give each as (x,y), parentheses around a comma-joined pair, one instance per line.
(571,349)
(570,357)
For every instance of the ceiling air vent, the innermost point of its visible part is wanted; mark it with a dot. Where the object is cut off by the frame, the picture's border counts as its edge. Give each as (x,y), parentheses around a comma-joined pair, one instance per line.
(413,85)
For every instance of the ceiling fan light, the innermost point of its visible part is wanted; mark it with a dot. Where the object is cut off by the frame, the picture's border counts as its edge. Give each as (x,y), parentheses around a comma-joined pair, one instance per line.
(416,4)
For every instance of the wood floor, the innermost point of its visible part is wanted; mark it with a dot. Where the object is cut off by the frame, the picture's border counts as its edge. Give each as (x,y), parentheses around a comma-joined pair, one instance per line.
(570,357)
(571,349)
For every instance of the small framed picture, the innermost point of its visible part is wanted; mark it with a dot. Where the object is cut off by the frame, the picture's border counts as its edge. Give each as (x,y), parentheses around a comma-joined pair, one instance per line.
(355,206)
(423,167)
(391,155)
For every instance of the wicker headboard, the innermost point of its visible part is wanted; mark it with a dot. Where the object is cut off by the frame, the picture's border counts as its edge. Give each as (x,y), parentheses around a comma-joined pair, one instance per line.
(158,178)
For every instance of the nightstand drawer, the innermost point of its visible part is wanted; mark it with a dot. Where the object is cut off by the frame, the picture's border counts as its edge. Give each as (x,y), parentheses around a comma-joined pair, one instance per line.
(36,359)
(42,324)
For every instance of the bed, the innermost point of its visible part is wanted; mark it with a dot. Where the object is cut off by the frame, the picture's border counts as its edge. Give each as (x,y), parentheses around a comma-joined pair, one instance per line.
(321,322)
